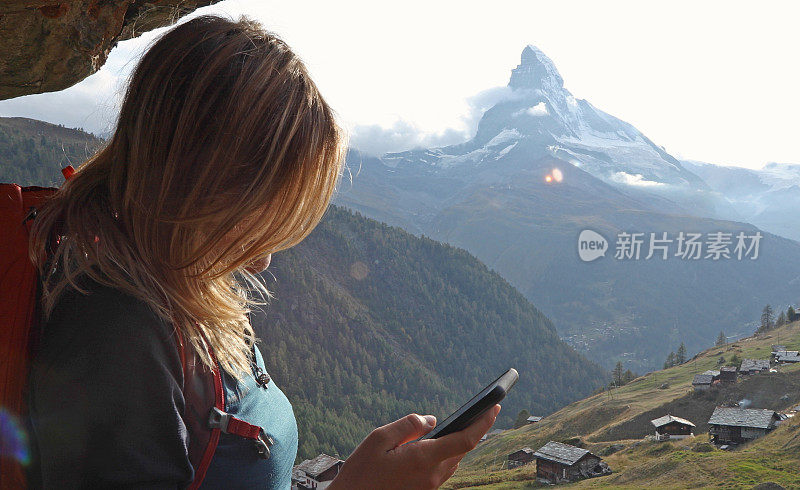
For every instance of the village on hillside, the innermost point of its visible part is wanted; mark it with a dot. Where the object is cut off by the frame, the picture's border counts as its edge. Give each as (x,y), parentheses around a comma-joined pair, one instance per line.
(752,390)
(559,462)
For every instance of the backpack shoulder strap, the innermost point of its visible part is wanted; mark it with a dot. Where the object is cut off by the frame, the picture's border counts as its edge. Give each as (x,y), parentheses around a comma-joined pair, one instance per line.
(18,309)
(202,391)
(206,418)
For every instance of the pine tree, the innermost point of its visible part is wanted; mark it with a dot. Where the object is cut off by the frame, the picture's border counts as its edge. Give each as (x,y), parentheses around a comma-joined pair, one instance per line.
(791,314)
(735,361)
(722,339)
(628,376)
(680,358)
(767,319)
(617,373)
(522,418)
(670,360)
(781,321)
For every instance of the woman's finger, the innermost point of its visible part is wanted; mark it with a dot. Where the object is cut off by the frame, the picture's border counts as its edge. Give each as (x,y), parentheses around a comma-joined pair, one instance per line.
(403,430)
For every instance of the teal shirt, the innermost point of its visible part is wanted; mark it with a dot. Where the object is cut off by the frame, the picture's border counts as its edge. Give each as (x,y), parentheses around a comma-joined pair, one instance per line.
(235,463)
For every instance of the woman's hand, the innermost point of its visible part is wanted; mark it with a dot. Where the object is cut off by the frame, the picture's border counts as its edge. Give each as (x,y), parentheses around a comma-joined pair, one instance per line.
(383,461)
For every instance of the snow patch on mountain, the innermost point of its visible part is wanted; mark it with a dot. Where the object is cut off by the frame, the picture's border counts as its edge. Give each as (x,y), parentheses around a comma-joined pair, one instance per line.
(537,110)
(505,151)
(504,136)
(780,175)
(638,180)
(442,158)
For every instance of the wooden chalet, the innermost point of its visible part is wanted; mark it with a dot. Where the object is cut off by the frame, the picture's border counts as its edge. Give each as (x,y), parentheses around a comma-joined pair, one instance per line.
(316,473)
(787,356)
(671,427)
(730,425)
(754,366)
(702,382)
(727,374)
(561,463)
(520,458)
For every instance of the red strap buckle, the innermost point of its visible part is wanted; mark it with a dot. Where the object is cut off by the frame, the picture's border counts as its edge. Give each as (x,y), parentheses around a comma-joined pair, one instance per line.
(229,424)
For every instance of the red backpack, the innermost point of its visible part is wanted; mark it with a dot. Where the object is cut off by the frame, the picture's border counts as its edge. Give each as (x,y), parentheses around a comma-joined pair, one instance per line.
(205,415)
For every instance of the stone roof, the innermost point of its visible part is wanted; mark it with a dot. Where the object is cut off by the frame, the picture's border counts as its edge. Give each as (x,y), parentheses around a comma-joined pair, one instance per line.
(561,453)
(315,467)
(702,379)
(754,365)
(711,372)
(525,450)
(534,418)
(666,419)
(778,348)
(788,356)
(728,369)
(743,417)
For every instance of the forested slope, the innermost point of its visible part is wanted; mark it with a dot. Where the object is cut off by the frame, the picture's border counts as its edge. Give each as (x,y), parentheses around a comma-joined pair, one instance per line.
(33,152)
(370,322)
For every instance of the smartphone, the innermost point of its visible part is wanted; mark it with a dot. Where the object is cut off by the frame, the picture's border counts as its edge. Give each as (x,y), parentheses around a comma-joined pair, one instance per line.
(470,411)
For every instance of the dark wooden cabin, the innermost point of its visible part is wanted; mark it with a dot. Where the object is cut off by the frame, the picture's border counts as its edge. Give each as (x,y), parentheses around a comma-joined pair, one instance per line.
(727,374)
(731,425)
(786,357)
(316,473)
(561,463)
(754,366)
(520,458)
(671,427)
(702,382)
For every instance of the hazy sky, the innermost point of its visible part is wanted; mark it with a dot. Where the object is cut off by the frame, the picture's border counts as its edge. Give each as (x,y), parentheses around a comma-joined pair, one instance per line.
(714,80)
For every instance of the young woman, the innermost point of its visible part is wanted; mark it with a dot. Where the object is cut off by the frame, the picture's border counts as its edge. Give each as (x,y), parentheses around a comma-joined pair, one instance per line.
(224,153)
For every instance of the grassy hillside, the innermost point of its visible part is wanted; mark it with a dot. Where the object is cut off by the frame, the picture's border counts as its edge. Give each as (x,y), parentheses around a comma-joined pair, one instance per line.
(613,425)
(33,152)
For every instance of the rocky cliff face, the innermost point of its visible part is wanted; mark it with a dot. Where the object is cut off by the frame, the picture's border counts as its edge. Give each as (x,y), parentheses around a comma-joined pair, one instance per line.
(49,45)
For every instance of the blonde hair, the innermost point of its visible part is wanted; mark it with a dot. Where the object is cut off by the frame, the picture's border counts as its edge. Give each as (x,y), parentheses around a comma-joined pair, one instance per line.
(224,151)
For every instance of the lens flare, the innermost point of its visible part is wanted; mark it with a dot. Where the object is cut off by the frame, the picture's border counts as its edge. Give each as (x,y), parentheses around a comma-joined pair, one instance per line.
(359,270)
(13,438)
(548,178)
(557,175)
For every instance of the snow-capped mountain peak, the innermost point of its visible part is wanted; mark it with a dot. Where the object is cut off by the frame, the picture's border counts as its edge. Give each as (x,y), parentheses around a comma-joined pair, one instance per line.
(535,71)
(539,117)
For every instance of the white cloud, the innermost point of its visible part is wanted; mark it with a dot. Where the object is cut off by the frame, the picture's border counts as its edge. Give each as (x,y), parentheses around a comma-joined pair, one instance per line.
(637,180)
(538,110)
(402,135)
